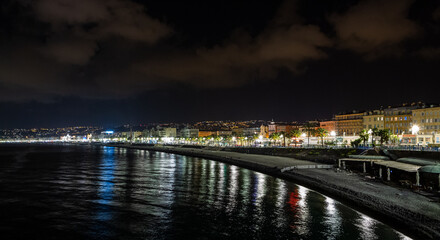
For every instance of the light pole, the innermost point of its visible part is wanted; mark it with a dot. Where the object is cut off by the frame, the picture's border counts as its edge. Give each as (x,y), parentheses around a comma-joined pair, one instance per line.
(370,134)
(333,134)
(303,135)
(415,129)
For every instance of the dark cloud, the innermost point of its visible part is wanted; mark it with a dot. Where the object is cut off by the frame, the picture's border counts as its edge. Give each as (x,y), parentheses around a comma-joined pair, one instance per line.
(71,51)
(285,43)
(51,44)
(122,18)
(115,49)
(375,27)
(78,34)
(429,52)
(436,14)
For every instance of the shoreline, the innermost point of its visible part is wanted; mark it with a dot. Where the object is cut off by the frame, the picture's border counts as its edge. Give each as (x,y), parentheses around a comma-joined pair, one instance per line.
(408,212)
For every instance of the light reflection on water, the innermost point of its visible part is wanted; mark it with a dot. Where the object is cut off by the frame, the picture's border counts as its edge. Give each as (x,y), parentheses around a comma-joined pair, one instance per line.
(332,219)
(115,193)
(105,189)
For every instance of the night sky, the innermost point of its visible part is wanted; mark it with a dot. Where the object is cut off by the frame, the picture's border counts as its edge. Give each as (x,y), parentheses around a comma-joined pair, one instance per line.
(103,63)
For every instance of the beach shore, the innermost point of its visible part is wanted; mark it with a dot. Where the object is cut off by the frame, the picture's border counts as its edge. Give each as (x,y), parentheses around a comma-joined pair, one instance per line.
(409,212)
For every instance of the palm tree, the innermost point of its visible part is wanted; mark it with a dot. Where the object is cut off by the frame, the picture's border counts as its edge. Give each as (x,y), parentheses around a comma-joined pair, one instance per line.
(309,129)
(384,135)
(394,139)
(363,136)
(283,136)
(375,133)
(255,137)
(228,139)
(321,132)
(275,136)
(295,133)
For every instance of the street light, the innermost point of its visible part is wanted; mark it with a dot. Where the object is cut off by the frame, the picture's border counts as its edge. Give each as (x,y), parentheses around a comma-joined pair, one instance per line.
(415,129)
(371,135)
(333,135)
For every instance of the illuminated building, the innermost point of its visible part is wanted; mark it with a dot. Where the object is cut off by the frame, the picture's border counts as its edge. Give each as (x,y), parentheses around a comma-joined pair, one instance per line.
(374,119)
(349,124)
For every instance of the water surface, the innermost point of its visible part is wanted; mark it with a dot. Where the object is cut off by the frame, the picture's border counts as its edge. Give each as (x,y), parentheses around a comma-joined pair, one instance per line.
(91,192)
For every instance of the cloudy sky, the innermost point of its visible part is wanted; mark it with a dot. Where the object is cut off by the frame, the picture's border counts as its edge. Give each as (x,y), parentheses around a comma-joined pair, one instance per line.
(95,62)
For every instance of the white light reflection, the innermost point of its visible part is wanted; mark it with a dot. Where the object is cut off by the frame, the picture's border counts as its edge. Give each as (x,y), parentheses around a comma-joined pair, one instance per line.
(257,199)
(303,211)
(245,186)
(203,179)
(233,189)
(165,193)
(332,219)
(282,193)
(261,183)
(366,227)
(211,182)
(221,183)
(280,203)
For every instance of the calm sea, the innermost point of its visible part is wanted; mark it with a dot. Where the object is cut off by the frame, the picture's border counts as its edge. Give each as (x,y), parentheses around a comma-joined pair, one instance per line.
(92,192)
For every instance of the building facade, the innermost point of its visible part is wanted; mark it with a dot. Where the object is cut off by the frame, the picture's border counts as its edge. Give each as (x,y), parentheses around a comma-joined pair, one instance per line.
(189,133)
(373,119)
(399,119)
(246,132)
(330,126)
(350,124)
(280,127)
(427,119)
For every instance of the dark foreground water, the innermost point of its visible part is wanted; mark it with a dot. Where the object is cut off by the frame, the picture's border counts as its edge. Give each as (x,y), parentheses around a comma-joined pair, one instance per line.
(85,192)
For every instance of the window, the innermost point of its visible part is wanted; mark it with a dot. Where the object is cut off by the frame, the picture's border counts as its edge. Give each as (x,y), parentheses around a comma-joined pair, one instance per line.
(406,118)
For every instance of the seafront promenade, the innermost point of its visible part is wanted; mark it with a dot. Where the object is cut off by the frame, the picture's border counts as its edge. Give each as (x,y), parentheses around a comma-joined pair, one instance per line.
(404,209)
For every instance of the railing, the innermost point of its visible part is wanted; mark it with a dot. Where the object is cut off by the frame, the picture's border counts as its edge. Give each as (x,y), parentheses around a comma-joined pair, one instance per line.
(233,145)
(414,148)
